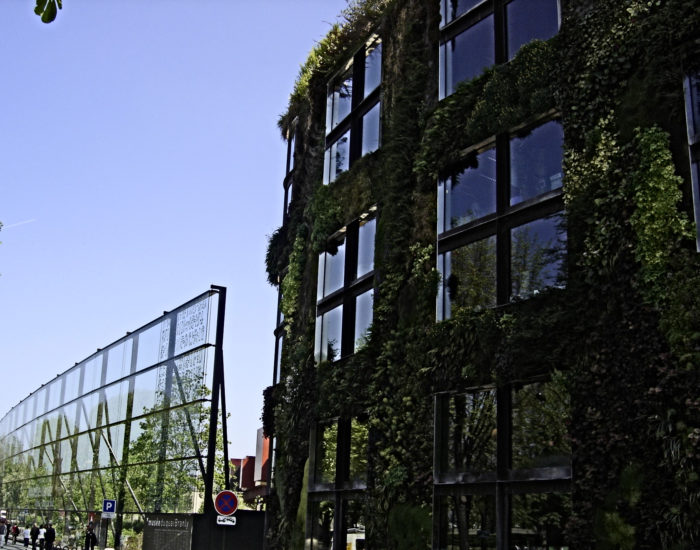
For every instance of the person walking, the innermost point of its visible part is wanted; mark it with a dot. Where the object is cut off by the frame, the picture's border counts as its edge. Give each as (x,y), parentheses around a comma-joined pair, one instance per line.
(50,536)
(25,534)
(3,531)
(34,534)
(90,538)
(42,535)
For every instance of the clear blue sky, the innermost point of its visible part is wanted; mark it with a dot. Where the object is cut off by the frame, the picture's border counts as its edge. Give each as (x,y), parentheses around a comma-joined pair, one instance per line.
(140,162)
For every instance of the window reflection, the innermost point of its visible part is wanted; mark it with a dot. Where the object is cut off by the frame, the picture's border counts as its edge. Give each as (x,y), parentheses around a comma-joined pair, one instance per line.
(365,251)
(331,270)
(468,521)
(337,158)
(354,524)
(536,162)
(528,20)
(339,102)
(359,442)
(536,258)
(469,195)
(326,452)
(322,520)
(363,317)
(328,335)
(452,9)
(373,68)
(370,130)
(471,435)
(466,55)
(539,520)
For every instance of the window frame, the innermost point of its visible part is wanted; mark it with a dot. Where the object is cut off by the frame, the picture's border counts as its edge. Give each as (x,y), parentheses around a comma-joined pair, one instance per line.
(361,104)
(692,121)
(449,30)
(503,220)
(353,286)
(503,483)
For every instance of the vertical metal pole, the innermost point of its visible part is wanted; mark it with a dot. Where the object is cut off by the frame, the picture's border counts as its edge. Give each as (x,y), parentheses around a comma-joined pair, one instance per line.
(215,391)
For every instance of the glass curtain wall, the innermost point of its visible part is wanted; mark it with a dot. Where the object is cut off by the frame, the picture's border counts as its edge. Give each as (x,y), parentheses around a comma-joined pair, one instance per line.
(129,423)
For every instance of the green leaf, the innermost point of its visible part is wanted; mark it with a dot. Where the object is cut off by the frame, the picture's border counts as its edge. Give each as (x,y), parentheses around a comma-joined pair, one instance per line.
(50,12)
(40,6)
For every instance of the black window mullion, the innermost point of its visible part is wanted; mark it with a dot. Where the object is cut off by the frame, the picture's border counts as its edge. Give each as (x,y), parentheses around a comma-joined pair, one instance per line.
(499,20)
(502,231)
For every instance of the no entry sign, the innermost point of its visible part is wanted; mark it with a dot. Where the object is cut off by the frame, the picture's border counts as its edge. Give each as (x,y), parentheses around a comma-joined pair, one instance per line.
(226,503)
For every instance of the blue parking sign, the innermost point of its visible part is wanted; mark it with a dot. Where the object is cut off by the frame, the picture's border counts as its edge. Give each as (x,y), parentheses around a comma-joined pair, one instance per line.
(109,508)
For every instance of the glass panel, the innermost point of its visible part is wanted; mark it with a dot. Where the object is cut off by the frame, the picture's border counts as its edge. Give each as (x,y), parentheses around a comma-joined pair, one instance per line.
(34,405)
(470,276)
(149,345)
(539,520)
(93,374)
(290,159)
(115,439)
(334,269)
(467,521)
(192,327)
(471,433)
(118,361)
(339,103)
(370,130)
(354,524)
(536,162)
(541,418)
(442,309)
(326,451)
(189,378)
(54,389)
(85,454)
(365,251)
(332,334)
(145,392)
(115,402)
(363,317)
(339,157)
(452,9)
(692,107)
(528,20)
(72,388)
(537,256)
(472,193)
(468,54)
(322,517)
(359,441)
(373,67)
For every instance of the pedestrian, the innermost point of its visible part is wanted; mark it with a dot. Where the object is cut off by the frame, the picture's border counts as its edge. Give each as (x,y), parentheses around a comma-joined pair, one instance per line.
(34,534)
(25,535)
(50,536)
(42,534)
(3,531)
(15,533)
(90,538)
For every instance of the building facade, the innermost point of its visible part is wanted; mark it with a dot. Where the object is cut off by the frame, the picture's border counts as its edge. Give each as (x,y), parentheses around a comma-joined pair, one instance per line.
(488,324)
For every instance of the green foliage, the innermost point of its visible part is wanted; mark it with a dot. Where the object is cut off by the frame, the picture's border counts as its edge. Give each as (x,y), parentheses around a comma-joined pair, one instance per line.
(410,527)
(48,9)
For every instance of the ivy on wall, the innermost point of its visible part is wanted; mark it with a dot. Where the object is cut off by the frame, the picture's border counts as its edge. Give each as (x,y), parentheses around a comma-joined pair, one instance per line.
(626,330)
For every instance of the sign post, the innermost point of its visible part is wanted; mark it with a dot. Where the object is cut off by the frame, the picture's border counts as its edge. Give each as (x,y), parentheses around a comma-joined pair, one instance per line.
(225,504)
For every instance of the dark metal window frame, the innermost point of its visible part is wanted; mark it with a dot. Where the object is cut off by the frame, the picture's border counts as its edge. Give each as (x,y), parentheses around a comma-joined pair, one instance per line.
(693,120)
(506,217)
(352,287)
(360,104)
(504,482)
(463,22)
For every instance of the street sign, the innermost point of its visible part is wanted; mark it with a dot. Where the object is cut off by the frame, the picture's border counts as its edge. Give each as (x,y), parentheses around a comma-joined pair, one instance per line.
(226,503)
(226,521)
(109,508)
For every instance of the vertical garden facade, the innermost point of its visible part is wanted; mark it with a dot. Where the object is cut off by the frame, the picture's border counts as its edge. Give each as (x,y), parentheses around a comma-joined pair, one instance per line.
(130,423)
(488,325)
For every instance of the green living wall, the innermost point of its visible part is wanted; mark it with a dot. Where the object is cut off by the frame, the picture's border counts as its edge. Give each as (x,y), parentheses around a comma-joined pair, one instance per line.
(624,333)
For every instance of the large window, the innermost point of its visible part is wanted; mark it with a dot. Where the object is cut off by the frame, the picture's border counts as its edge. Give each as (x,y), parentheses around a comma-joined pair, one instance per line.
(345,291)
(502,467)
(477,34)
(692,110)
(353,111)
(337,479)
(501,233)
(289,172)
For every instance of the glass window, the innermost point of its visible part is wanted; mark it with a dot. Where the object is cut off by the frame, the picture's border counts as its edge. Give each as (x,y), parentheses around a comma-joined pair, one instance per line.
(337,158)
(354,524)
(467,521)
(363,317)
(339,102)
(536,162)
(469,195)
(72,384)
(329,330)
(539,520)
(541,416)
(528,20)
(536,256)
(54,390)
(365,251)
(452,9)
(331,271)
(370,130)
(322,520)
(373,68)
(359,442)
(326,452)
(471,436)
(467,55)
(469,276)
(692,113)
